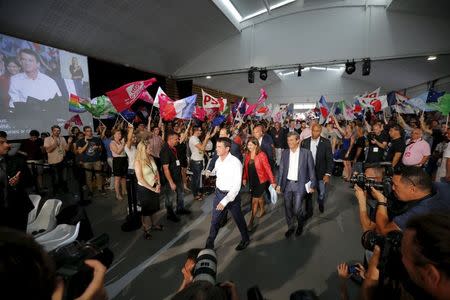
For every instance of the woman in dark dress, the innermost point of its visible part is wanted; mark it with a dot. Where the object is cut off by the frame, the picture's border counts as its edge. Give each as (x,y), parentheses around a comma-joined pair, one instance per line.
(258,173)
(148,187)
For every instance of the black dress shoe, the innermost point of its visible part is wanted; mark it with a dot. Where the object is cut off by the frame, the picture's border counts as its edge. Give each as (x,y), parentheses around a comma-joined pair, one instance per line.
(299,230)
(321,208)
(173,217)
(242,245)
(288,233)
(183,211)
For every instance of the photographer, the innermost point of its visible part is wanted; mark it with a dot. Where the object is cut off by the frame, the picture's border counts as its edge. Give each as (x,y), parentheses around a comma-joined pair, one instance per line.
(425,255)
(27,271)
(413,186)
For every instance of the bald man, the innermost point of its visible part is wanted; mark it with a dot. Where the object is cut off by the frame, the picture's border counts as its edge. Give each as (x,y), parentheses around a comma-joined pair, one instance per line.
(323,164)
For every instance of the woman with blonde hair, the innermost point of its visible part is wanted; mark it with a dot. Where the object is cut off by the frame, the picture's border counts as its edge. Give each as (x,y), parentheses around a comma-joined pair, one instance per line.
(259,174)
(148,187)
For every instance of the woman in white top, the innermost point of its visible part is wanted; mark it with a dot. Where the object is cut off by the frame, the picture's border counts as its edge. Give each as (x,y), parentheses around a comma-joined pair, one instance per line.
(148,187)
(120,164)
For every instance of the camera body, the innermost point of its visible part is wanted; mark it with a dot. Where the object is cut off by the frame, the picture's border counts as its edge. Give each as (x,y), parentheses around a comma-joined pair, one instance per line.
(69,262)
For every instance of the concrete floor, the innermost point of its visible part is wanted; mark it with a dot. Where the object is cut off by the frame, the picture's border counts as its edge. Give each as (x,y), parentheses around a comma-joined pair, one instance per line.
(151,269)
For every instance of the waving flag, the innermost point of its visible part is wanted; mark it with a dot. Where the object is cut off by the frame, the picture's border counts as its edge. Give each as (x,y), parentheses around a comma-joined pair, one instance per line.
(185,107)
(160,93)
(419,102)
(368,97)
(166,108)
(324,108)
(357,108)
(74,104)
(262,97)
(100,107)
(379,103)
(218,120)
(433,95)
(199,113)
(74,120)
(123,97)
(209,101)
(443,104)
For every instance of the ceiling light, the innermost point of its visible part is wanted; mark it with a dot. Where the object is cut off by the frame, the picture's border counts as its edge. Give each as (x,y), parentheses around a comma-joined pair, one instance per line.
(319,68)
(350,67)
(304,105)
(432,57)
(299,72)
(366,67)
(280,4)
(251,75)
(208,77)
(263,74)
(259,12)
(233,11)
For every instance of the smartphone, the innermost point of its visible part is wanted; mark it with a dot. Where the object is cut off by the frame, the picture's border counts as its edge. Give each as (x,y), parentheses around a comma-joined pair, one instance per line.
(352,270)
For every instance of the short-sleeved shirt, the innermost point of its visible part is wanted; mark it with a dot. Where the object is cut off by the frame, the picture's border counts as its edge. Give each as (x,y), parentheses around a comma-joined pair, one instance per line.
(106,142)
(396,146)
(91,154)
(436,202)
(375,153)
(169,156)
(57,155)
(360,143)
(33,149)
(196,154)
(415,151)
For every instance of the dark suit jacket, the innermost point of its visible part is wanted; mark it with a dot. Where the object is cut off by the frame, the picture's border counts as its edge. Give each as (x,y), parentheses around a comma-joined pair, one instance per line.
(267,147)
(235,151)
(305,170)
(324,156)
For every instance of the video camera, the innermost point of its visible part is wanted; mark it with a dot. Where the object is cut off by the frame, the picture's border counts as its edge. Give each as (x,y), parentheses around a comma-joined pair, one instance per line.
(69,262)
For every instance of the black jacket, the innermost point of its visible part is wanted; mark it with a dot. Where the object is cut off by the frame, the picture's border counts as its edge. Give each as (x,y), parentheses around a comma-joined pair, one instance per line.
(324,156)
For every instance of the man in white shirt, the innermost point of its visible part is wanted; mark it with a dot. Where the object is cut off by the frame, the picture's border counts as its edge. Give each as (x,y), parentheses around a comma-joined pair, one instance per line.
(31,83)
(296,173)
(228,184)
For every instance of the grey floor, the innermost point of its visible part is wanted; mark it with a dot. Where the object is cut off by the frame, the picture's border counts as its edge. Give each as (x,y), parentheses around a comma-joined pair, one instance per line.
(151,269)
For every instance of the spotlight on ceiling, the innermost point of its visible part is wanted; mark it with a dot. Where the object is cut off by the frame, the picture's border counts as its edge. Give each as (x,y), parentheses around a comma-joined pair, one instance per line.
(350,67)
(208,77)
(432,57)
(251,75)
(366,67)
(263,74)
(299,72)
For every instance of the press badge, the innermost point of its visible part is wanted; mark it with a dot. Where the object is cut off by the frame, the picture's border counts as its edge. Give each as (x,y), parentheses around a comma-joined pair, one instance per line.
(375,149)
(177,162)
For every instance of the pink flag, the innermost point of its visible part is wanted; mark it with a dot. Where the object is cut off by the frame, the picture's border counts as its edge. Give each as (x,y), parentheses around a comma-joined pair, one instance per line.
(262,97)
(166,108)
(122,98)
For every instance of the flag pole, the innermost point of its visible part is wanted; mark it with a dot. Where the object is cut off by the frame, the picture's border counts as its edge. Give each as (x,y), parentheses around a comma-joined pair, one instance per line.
(124,119)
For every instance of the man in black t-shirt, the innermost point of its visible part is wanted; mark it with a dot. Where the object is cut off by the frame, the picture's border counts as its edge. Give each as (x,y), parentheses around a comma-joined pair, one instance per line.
(377,145)
(171,178)
(279,138)
(396,146)
(33,150)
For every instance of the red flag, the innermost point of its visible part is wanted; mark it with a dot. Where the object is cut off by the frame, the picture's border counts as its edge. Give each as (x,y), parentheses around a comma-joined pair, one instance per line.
(199,113)
(75,119)
(166,108)
(122,98)
(145,96)
(251,108)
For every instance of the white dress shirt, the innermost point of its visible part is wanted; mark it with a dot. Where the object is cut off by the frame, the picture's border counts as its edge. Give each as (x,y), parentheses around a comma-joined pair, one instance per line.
(293,164)
(313,147)
(42,88)
(228,177)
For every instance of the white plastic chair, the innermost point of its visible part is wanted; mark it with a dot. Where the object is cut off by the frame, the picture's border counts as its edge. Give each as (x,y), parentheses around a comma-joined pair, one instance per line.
(62,235)
(35,199)
(46,219)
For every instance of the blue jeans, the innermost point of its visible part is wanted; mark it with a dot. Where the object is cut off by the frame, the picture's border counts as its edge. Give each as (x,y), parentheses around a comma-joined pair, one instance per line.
(170,196)
(196,167)
(235,209)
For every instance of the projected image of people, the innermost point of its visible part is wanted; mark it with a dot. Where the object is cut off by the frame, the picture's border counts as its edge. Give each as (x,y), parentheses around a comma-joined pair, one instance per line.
(37,80)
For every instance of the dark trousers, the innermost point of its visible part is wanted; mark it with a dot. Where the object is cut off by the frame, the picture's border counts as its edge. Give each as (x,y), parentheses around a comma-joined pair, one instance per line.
(234,207)
(292,204)
(196,167)
(58,177)
(172,196)
(321,196)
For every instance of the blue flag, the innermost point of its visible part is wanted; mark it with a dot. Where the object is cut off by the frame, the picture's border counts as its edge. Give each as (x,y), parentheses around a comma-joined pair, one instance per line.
(433,95)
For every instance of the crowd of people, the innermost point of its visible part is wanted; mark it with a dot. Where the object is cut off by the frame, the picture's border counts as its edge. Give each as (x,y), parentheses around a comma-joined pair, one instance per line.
(404,160)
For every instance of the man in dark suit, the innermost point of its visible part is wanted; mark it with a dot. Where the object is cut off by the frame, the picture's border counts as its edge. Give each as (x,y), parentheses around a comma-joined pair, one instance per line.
(265,143)
(278,135)
(323,160)
(296,170)
(14,176)
(291,127)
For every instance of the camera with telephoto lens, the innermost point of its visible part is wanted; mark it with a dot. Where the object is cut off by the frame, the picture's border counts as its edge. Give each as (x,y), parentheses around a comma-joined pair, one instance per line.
(365,183)
(69,262)
(206,266)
